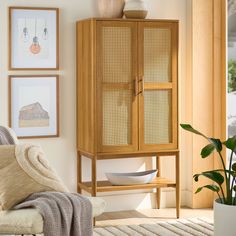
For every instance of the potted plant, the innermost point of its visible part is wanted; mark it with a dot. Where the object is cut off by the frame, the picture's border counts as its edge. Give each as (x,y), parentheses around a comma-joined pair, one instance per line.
(224,183)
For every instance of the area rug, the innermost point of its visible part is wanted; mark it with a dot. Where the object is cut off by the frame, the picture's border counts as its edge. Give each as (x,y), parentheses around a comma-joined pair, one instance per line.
(180,227)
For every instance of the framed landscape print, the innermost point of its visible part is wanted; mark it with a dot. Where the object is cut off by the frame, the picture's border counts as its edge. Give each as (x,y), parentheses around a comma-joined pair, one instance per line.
(34,105)
(33,38)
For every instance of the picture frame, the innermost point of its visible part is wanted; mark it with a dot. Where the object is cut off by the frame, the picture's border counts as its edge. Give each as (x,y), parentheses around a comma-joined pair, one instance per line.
(33,38)
(34,105)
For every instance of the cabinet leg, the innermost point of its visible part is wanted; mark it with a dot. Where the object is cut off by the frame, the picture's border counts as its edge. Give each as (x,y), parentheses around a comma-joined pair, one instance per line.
(79,171)
(158,193)
(94,181)
(94,176)
(178,198)
(158,198)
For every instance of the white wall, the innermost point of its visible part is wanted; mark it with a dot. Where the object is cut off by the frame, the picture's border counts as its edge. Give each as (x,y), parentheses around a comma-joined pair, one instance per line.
(62,151)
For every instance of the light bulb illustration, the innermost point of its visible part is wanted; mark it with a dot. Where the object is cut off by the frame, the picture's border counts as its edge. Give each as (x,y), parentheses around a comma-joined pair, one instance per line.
(25,34)
(45,31)
(35,47)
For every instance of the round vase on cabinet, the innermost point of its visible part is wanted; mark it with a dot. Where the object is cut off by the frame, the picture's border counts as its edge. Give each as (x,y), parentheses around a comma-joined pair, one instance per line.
(111,8)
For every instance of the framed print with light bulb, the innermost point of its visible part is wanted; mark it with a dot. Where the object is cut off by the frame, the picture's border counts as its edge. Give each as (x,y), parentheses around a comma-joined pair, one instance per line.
(34,105)
(33,38)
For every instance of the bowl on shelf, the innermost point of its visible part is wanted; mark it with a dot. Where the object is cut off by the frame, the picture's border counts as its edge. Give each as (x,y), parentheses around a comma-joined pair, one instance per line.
(131,178)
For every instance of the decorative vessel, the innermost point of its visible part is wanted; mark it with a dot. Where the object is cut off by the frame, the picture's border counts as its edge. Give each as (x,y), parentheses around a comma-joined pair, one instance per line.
(131,178)
(135,9)
(111,8)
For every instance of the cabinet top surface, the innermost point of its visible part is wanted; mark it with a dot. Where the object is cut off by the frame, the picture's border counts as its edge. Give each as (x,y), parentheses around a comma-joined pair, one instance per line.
(128,20)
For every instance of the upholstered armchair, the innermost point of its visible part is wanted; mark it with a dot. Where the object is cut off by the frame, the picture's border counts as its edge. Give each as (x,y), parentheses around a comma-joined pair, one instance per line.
(13,180)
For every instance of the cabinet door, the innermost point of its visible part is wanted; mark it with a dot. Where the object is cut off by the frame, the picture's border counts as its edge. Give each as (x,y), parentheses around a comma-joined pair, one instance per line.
(116,73)
(158,54)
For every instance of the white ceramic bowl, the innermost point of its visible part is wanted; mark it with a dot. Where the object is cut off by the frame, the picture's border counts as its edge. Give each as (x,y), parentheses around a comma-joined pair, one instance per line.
(132,178)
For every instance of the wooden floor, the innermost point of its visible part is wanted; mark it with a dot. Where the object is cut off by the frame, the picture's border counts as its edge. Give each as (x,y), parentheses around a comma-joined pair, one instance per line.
(149,216)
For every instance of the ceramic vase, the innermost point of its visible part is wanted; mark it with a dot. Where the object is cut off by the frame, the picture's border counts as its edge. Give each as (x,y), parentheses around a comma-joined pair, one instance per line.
(135,9)
(111,8)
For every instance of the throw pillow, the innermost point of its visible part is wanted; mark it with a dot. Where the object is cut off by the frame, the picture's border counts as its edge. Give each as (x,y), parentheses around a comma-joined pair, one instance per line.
(24,170)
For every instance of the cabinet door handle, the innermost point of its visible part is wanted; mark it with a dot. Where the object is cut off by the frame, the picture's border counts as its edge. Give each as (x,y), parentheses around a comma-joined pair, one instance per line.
(136,86)
(142,85)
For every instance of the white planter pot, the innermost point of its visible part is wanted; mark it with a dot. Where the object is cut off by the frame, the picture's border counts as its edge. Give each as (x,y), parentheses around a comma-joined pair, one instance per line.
(224,219)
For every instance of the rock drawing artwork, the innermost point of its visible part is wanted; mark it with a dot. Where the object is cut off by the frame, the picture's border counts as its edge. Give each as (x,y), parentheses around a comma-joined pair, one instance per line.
(33,115)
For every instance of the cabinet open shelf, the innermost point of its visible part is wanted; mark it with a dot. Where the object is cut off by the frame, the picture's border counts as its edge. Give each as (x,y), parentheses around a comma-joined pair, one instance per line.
(95,186)
(106,186)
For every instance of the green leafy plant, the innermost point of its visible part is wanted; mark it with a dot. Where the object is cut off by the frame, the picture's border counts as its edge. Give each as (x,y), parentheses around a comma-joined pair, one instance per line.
(231,76)
(224,178)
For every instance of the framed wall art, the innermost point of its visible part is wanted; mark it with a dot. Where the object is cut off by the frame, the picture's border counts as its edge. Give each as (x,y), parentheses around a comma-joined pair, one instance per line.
(34,105)
(33,38)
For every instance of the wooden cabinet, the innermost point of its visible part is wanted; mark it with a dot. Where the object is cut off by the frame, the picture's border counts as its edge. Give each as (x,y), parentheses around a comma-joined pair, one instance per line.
(127,102)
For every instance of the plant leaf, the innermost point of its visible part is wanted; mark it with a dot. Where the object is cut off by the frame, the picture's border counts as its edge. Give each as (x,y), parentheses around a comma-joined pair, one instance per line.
(191,129)
(217,143)
(212,187)
(233,173)
(234,188)
(213,175)
(207,150)
(199,190)
(230,143)
(195,177)
(234,167)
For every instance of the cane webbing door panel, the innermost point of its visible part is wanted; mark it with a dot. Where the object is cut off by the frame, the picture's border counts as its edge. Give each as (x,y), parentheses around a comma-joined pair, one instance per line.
(158,85)
(157,116)
(116,72)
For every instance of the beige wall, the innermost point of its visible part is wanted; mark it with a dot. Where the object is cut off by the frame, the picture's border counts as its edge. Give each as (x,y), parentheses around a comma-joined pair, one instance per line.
(62,151)
(207,86)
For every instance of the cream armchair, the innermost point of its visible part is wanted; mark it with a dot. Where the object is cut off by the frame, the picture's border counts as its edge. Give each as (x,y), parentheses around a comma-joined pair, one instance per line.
(28,221)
